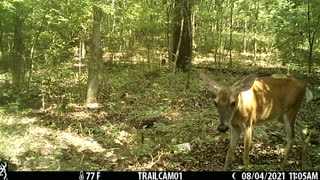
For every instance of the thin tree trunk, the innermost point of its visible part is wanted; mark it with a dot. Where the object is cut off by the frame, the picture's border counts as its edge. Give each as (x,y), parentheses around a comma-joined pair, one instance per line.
(193,29)
(309,40)
(216,38)
(35,41)
(231,31)
(96,56)
(220,45)
(1,41)
(245,37)
(191,34)
(311,37)
(176,54)
(256,13)
(82,53)
(168,37)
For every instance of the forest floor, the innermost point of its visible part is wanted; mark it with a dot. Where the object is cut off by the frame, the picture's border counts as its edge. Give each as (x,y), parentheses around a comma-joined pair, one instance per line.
(142,116)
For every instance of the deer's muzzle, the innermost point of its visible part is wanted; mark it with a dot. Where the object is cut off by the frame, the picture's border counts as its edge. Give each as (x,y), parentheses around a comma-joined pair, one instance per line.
(222,128)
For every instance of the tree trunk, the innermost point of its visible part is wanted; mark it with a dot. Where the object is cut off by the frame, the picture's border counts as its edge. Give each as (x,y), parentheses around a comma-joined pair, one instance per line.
(82,52)
(245,37)
(256,13)
(216,39)
(220,46)
(33,46)
(311,37)
(96,56)
(1,41)
(17,67)
(310,58)
(182,13)
(231,31)
(169,48)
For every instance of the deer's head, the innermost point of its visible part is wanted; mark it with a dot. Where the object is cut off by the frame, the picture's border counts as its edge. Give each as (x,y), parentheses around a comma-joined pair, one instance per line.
(226,98)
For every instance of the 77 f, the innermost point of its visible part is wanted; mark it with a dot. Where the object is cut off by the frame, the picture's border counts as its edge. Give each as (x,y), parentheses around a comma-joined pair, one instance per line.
(89,176)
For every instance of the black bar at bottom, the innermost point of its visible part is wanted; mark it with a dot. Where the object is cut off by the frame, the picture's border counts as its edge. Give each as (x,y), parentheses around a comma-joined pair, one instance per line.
(158,175)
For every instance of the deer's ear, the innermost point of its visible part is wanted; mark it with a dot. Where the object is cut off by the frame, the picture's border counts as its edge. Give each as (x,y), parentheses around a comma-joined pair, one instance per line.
(210,84)
(244,84)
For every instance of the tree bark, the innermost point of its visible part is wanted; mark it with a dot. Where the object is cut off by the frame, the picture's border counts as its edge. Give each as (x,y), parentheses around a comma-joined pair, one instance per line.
(17,67)
(169,48)
(311,37)
(96,56)
(245,36)
(230,36)
(255,46)
(182,13)
(1,41)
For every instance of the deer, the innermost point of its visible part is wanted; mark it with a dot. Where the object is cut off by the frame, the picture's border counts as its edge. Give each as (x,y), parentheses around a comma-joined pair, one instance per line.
(255,100)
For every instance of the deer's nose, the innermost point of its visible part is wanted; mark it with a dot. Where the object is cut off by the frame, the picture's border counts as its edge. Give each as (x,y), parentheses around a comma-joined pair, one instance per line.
(222,128)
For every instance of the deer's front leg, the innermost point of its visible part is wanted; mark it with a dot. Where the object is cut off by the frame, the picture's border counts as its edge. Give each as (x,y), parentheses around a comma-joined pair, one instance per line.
(247,142)
(235,134)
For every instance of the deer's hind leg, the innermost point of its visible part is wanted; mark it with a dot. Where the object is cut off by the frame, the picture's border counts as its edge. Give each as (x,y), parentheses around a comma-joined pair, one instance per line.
(289,120)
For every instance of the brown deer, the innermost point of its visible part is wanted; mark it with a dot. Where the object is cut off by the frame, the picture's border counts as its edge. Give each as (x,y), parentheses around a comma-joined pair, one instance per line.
(254,100)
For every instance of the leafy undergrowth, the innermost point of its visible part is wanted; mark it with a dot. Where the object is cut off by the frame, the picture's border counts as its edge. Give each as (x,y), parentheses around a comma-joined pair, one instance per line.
(142,117)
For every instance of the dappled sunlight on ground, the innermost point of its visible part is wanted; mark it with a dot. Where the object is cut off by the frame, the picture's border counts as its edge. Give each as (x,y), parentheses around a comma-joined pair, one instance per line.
(29,120)
(60,139)
(173,115)
(265,60)
(79,115)
(24,141)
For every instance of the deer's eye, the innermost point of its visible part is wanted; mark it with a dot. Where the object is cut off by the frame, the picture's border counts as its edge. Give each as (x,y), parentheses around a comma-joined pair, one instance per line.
(233,103)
